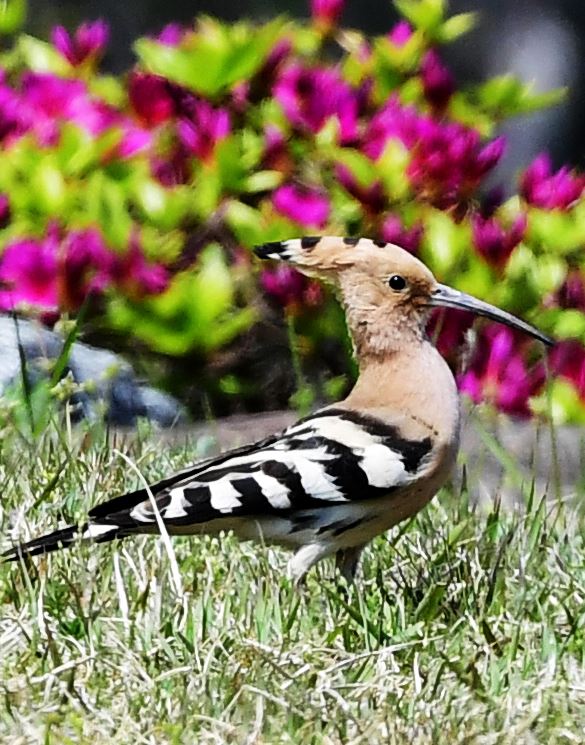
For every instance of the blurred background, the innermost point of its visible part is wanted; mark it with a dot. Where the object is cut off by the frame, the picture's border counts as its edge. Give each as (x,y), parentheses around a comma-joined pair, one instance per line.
(138,173)
(538,40)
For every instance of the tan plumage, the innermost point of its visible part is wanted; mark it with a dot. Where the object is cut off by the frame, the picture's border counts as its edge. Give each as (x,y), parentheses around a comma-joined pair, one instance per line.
(330,483)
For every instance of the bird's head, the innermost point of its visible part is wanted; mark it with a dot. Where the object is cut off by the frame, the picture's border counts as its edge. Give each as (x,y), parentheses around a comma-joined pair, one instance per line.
(387,292)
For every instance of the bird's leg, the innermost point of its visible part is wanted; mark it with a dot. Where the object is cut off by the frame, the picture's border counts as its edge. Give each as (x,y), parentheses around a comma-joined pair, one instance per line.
(347,561)
(305,558)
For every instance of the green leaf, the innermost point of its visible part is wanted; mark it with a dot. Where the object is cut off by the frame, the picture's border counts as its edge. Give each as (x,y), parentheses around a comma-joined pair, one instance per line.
(216,58)
(445,243)
(456,26)
(196,312)
(557,231)
(39,56)
(569,324)
(245,222)
(426,15)
(428,607)
(230,168)
(106,203)
(506,95)
(360,166)
(48,186)
(391,167)
(12,16)
(560,401)
(165,208)
(263,181)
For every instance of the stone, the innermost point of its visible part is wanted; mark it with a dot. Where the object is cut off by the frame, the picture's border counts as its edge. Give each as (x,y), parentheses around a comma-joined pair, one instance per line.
(114,391)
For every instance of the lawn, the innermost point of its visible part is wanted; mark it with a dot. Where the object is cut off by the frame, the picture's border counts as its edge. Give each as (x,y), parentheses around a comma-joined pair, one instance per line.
(466,625)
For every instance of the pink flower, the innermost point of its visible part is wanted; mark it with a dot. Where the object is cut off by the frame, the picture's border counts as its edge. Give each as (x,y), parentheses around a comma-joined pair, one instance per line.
(494,242)
(172,167)
(171,35)
(202,127)
(28,272)
(394,231)
(310,97)
(137,277)
(372,197)
(284,284)
(400,33)
(48,99)
(326,13)
(152,98)
(448,160)
(438,82)
(542,188)
(567,359)
(15,118)
(448,328)
(304,205)
(278,54)
(85,265)
(5,212)
(86,45)
(134,141)
(498,373)
(276,154)
(572,292)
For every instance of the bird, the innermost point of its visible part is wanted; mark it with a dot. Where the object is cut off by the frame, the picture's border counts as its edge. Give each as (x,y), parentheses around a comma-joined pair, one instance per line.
(335,479)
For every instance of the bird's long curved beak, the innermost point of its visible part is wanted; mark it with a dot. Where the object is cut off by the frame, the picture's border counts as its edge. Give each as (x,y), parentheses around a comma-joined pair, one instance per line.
(447,297)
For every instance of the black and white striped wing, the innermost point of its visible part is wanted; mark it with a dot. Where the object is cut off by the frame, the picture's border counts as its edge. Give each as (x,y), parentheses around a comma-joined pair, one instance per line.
(333,456)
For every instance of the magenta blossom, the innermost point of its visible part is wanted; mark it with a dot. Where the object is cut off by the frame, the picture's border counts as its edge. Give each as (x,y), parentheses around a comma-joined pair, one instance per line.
(152,98)
(5,212)
(28,274)
(400,33)
(276,153)
(85,266)
(172,168)
(136,276)
(567,359)
(372,197)
(494,242)
(542,188)
(134,140)
(326,13)
(438,82)
(310,97)
(448,160)
(394,231)
(86,45)
(498,373)
(50,99)
(448,328)
(572,292)
(284,284)
(15,118)
(304,205)
(171,35)
(203,127)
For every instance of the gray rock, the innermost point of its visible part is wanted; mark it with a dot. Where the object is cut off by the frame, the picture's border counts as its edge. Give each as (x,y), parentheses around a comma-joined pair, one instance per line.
(110,386)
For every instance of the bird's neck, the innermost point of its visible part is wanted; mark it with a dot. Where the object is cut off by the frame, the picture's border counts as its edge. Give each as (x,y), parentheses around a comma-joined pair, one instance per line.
(414,385)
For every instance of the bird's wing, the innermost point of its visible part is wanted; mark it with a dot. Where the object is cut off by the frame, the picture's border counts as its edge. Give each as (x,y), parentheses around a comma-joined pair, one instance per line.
(332,456)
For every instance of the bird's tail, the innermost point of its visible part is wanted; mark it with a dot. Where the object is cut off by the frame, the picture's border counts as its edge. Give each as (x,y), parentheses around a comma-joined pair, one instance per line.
(62,538)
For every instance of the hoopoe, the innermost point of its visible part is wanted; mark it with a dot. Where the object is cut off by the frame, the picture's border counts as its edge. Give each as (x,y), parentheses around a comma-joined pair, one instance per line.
(348,472)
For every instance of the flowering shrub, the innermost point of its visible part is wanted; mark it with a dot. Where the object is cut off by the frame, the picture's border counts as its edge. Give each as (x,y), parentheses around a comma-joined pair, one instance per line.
(139,196)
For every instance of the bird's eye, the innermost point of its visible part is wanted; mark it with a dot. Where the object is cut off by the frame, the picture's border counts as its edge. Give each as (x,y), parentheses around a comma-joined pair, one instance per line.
(397,283)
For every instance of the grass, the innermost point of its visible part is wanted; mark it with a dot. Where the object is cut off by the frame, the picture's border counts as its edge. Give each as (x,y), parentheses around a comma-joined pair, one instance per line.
(467,626)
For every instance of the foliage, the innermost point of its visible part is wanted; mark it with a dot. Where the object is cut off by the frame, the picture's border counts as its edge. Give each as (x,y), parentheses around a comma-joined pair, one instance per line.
(466,627)
(146,191)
